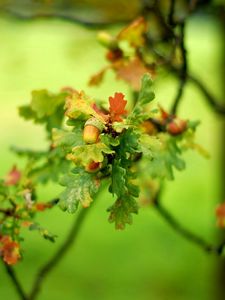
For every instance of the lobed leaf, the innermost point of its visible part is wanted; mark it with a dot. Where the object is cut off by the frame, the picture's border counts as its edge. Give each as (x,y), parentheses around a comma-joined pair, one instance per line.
(80,188)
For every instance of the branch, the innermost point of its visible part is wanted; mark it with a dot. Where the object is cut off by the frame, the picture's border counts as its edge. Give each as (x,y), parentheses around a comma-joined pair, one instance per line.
(60,253)
(16,282)
(183,71)
(171,13)
(186,233)
(219,108)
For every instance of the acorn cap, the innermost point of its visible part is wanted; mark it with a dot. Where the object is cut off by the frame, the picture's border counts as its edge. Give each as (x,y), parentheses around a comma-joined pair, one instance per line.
(96,123)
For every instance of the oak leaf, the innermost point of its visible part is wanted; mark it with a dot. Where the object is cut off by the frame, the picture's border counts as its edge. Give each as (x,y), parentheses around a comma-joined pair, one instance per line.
(117,107)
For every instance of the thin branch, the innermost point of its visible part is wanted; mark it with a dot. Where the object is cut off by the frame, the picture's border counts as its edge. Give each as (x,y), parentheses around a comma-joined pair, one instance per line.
(218,107)
(182,72)
(58,256)
(16,282)
(171,13)
(186,233)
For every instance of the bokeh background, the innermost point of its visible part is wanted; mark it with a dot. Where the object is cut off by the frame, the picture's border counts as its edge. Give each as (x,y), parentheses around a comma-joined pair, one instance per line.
(148,260)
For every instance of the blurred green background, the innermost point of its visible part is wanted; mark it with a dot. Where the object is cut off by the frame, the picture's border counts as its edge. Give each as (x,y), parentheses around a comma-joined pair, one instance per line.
(147,260)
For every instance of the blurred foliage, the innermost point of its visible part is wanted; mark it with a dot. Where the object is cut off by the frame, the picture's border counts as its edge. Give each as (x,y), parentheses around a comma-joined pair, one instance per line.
(86,11)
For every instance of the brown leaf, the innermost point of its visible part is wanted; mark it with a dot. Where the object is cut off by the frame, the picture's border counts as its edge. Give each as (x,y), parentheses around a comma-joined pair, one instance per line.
(131,71)
(134,33)
(98,77)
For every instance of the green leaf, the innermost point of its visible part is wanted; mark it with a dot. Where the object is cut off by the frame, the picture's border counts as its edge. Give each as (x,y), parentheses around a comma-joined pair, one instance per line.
(108,140)
(146,95)
(79,106)
(80,188)
(129,143)
(43,232)
(121,212)
(83,155)
(118,177)
(46,108)
(162,156)
(28,152)
(67,139)
(53,165)
(45,104)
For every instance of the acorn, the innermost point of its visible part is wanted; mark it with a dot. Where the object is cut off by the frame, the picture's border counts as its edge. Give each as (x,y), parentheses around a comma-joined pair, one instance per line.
(107,40)
(92,129)
(176,126)
(93,167)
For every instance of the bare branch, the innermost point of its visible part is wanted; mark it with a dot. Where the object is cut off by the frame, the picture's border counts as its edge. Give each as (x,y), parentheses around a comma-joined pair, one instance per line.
(21,293)
(183,71)
(186,233)
(171,13)
(218,107)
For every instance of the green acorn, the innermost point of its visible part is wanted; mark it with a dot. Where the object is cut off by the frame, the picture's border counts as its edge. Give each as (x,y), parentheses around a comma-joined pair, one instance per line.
(92,129)
(107,40)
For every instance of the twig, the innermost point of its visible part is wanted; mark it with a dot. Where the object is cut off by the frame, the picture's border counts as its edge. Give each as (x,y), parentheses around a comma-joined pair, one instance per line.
(16,282)
(171,13)
(219,108)
(183,70)
(186,233)
(60,253)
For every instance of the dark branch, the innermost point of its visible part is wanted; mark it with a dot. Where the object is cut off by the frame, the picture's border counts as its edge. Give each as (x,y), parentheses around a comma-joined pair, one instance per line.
(171,13)
(186,233)
(183,71)
(16,282)
(218,107)
(57,257)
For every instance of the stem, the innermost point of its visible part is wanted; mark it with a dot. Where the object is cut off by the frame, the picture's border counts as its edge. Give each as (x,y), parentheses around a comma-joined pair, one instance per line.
(183,71)
(219,108)
(16,282)
(171,13)
(186,233)
(60,253)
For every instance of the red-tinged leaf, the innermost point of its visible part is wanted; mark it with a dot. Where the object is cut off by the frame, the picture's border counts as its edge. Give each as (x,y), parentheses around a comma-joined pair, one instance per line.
(164,114)
(117,107)
(134,32)
(220,213)
(42,206)
(13,177)
(9,250)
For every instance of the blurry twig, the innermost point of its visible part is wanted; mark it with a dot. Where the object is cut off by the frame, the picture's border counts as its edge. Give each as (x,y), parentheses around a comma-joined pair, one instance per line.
(182,71)
(16,282)
(171,13)
(184,232)
(219,108)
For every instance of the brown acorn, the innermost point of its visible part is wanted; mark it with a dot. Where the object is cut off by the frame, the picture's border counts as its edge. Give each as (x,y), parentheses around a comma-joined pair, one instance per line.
(176,126)
(93,167)
(92,129)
